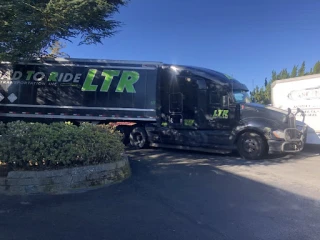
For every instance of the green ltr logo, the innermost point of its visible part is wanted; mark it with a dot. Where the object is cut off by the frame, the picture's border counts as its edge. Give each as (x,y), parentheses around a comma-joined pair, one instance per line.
(224,114)
(127,79)
(126,82)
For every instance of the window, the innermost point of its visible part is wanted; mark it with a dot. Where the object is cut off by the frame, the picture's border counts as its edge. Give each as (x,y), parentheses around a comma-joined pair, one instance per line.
(215,98)
(216,93)
(241,96)
(201,84)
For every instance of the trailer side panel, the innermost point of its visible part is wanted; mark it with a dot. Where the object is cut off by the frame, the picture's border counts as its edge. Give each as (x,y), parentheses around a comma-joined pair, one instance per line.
(303,93)
(79,91)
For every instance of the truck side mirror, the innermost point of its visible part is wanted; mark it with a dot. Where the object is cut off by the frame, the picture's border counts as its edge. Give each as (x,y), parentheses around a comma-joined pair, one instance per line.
(225,101)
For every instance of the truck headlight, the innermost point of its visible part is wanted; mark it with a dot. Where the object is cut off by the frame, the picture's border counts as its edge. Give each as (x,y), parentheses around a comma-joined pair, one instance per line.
(278,134)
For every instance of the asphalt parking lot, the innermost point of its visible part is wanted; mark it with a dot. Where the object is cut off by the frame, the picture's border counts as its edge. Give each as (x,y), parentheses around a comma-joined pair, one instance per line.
(181,195)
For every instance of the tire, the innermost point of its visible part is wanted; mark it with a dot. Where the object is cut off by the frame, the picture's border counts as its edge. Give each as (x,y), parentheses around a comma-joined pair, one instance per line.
(138,138)
(252,146)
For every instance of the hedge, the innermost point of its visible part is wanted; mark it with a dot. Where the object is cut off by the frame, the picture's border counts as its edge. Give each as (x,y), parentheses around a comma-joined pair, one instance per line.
(37,145)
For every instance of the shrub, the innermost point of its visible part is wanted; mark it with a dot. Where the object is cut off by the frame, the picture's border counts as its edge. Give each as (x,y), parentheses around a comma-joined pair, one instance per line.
(37,145)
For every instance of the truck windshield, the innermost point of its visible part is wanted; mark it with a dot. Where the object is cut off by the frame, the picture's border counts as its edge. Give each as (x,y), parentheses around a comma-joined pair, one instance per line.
(241,96)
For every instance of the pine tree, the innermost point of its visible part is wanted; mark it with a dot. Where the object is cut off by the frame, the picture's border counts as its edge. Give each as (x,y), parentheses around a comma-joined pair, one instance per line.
(294,71)
(267,94)
(284,74)
(274,76)
(302,69)
(316,68)
(279,75)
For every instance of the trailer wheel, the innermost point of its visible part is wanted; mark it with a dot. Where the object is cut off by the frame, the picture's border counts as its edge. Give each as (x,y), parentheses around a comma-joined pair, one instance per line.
(138,138)
(252,146)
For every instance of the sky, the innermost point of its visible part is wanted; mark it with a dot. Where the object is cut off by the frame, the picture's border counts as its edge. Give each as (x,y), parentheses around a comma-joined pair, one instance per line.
(245,39)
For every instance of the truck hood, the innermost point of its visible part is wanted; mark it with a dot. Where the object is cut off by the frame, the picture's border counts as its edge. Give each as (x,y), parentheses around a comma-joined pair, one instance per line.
(254,110)
(264,107)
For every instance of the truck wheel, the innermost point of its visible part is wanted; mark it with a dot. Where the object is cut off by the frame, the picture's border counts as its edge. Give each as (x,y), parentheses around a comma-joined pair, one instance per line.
(251,146)
(138,138)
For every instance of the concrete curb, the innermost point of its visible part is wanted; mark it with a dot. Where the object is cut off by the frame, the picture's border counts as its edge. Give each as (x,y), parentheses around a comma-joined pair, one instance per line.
(68,180)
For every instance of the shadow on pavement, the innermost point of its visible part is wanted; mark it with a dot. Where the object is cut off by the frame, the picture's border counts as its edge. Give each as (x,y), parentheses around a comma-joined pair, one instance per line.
(218,159)
(171,195)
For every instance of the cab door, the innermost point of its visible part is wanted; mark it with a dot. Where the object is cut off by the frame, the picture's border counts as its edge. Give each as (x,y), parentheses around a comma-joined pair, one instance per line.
(221,114)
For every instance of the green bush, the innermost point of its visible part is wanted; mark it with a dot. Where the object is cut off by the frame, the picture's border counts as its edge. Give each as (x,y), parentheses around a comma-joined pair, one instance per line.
(37,145)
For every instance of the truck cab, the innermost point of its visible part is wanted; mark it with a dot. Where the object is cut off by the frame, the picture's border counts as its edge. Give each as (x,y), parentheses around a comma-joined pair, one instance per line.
(201,109)
(277,128)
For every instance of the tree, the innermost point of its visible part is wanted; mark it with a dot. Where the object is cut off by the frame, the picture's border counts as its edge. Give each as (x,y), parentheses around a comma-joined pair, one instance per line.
(302,69)
(263,94)
(29,27)
(294,71)
(267,94)
(256,94)
(283,74)
(260,95)
(316,68)
(55,50)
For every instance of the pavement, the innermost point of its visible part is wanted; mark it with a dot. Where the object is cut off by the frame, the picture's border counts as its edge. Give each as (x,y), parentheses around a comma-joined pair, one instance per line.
(181,195)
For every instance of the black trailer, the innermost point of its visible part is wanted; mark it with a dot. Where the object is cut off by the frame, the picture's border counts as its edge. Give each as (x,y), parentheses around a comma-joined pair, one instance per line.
(152,103)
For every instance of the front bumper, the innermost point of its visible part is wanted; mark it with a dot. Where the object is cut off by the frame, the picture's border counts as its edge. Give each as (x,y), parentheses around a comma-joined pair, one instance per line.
(293,142)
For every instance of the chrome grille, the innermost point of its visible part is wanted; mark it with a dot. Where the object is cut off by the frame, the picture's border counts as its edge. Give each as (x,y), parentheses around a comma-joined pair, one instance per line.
(291,134)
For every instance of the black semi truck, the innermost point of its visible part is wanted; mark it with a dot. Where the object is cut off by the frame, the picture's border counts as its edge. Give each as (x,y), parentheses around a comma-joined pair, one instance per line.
(152,103)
